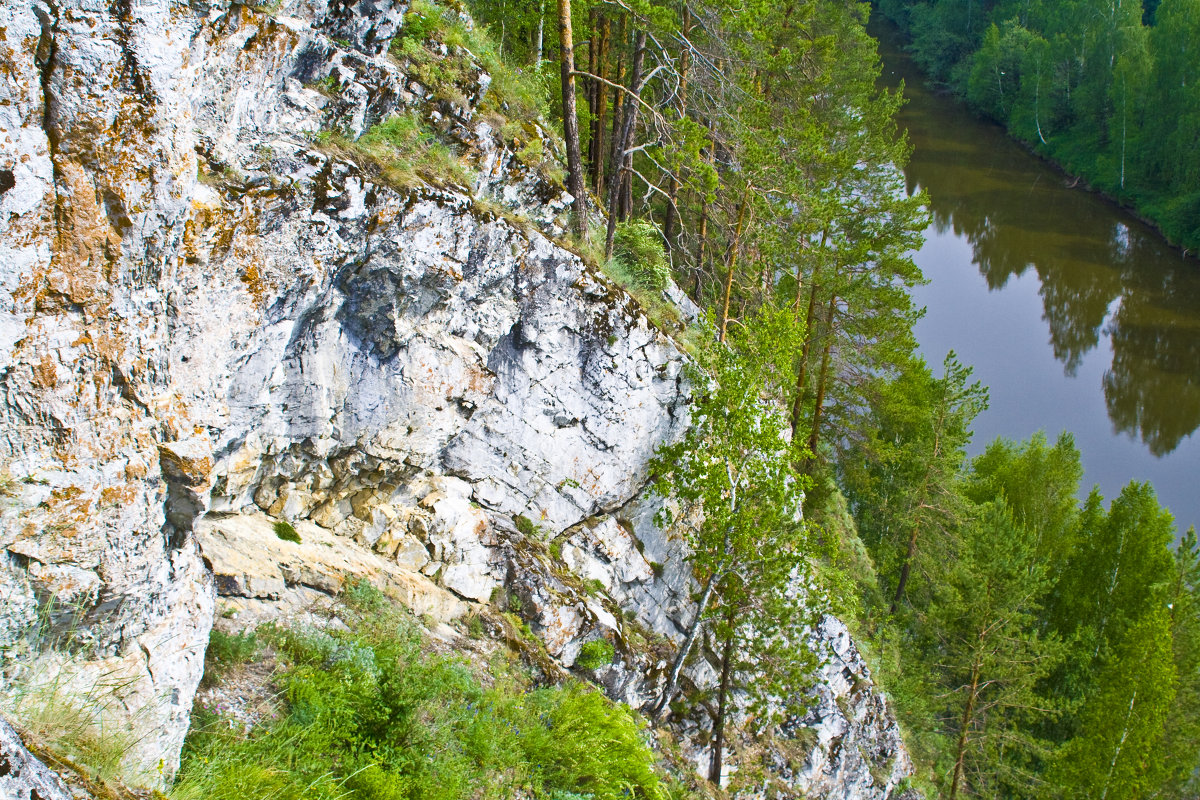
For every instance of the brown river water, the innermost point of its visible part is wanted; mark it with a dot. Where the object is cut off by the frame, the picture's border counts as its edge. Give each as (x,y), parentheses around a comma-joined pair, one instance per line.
(1077,316)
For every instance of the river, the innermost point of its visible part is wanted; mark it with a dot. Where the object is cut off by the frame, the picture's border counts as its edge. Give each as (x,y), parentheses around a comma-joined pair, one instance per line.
(1077,316)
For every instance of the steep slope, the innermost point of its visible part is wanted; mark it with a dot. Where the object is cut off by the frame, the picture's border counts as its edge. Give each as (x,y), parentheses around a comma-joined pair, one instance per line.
(213,323)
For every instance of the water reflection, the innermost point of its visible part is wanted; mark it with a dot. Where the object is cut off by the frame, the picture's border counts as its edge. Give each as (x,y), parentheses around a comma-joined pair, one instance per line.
(1103,276)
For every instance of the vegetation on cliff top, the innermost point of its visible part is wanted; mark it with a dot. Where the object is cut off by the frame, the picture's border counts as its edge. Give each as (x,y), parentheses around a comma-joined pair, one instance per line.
(367,710)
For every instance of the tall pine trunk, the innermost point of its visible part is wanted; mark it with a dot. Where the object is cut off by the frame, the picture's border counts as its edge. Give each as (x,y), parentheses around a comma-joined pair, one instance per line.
(905,569)
(960,750)
(685,62)
(802,369)
(602,36)
(622,141)
(731,263)
(571,120)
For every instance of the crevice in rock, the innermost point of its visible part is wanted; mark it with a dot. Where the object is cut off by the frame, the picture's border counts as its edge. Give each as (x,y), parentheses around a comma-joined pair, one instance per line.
(129,62)
(46,59)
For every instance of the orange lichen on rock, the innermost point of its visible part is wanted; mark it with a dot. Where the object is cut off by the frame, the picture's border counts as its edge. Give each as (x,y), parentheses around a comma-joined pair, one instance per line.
(85,245)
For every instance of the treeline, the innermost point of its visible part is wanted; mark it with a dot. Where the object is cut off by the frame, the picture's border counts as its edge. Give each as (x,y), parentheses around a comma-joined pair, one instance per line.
(1037,647)
(1110,89)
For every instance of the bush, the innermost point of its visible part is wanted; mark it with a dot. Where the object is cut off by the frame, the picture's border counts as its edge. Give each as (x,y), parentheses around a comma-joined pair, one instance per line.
(639,245)
(595,654)
(368,713)
(231,649)
(525,526)
(285,531)
(403,150)
(420,22)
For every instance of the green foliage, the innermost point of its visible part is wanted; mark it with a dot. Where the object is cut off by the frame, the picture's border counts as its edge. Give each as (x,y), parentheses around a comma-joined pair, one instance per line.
(422,21)
(1109,90)
(902,480)
(369,713)
(639,245)
(595,654)
(404,150)
(230,649)
(1116,753)
(525,525)
(1182,729)
(749,548)
(286,531)
(327,86)
(991,651)
(661,312)
(517,93)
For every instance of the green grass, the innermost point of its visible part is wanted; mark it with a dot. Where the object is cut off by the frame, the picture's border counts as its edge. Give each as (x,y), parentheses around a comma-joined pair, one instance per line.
(284,530)
(75,717)
(403,151)
(662,312)
(231,649)
(369,713)
(595,654)
(518,96)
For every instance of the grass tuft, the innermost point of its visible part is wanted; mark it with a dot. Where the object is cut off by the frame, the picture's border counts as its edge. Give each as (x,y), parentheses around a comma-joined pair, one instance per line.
(368,712)
(284,530)
(73,716)
(403,151)
(595,654)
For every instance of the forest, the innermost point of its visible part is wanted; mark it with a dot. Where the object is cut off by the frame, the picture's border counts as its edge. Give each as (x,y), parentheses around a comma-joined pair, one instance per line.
(1108,89)
(1034,646)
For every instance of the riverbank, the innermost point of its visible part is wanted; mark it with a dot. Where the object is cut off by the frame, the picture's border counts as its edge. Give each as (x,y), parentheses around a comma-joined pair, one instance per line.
(1138,153)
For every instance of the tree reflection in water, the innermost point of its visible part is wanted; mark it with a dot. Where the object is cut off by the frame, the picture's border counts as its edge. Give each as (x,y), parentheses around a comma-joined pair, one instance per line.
(1101,273)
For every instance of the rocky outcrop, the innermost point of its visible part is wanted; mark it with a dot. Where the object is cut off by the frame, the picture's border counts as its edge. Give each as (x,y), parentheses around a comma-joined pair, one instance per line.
(211,324)
(22,776)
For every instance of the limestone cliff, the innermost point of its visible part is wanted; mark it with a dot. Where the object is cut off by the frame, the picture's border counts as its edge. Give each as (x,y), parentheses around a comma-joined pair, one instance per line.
(211,322)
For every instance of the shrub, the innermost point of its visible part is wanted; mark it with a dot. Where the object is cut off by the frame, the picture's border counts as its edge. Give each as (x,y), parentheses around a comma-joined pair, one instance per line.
(420,22)
(595,654)
(285,531)
(403,150)
(525,525)
(231,649)
(361,595)
(639,245)
(370,714)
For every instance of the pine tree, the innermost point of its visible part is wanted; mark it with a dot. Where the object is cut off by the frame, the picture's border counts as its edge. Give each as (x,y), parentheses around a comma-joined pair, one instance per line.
(739,506)
(1116,755)
(990,657)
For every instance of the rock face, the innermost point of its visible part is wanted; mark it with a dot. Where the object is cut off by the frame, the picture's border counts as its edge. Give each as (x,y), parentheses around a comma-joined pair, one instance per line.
(23,777)
(210,325)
